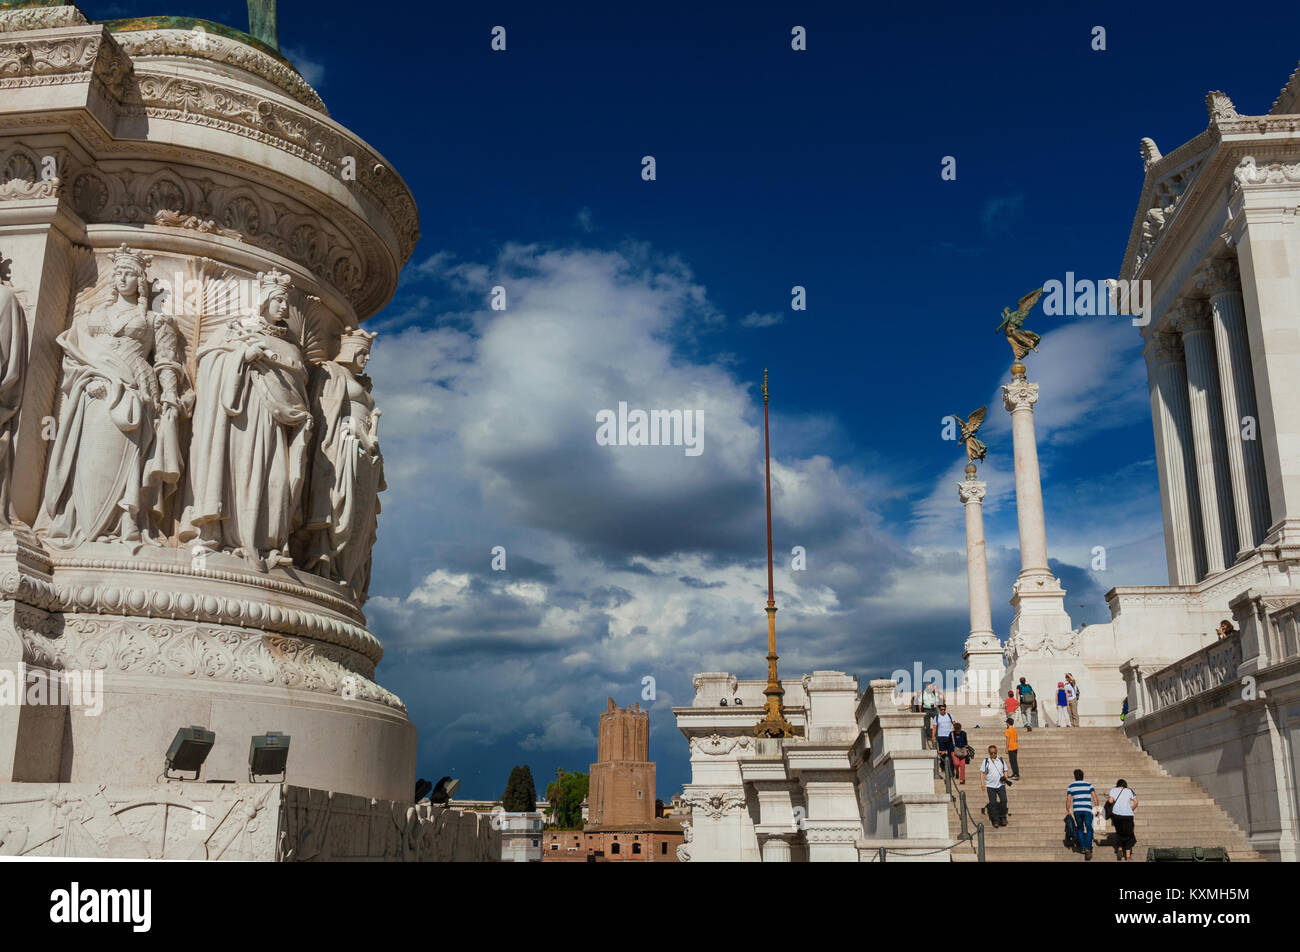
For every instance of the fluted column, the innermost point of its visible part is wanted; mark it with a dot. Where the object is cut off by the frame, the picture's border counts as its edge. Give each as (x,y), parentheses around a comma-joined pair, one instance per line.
(983,651)
(971,492)
(1038,601)
(1171,417)
(1218,518)
(1237,392)
(1019,398)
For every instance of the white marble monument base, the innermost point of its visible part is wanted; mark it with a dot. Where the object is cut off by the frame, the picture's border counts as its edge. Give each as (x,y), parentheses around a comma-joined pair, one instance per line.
(234,821)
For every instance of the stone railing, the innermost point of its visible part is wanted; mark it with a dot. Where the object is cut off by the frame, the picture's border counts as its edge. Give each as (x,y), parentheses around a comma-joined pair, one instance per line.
(1204,670)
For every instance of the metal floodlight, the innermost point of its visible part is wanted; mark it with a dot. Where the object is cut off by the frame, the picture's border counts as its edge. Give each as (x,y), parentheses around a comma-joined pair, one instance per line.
(268,754)
(444,791)
(422,789)
(189,748)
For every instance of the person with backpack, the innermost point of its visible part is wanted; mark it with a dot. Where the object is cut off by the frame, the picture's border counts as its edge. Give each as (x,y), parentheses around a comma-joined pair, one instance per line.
(1072,695)
(995,785)
(960,751)
(1028,704)
(1062,705)
(1120,807)
(1081,801)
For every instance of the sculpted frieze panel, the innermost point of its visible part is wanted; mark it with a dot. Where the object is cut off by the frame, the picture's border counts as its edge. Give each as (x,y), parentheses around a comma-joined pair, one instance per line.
(180,649)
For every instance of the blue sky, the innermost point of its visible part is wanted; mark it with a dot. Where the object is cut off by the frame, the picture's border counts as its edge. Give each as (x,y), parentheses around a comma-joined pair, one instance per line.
(774,168)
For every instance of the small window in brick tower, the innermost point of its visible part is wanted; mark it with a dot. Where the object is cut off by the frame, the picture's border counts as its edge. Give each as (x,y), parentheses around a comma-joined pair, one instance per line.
(638,794)
(663,849)
(636,849)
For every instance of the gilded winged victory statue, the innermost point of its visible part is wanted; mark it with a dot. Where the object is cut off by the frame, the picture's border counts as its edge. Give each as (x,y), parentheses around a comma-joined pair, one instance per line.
(1022,341)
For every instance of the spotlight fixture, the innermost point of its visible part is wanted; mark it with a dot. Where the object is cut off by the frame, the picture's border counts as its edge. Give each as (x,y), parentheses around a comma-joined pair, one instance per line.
(268,755)
(723,702)
(189,748)
(422,789)
(445,790)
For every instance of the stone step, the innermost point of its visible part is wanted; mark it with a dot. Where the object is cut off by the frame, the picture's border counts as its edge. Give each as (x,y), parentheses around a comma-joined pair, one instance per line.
(1173,811)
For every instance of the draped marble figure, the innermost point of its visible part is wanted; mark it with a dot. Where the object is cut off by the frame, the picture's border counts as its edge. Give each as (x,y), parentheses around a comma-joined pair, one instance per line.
(13,369)
(347,471)
(251,433)
(116,458)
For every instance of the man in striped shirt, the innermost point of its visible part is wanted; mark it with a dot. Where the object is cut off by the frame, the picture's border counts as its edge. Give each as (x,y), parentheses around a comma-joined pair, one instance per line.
(1081,800)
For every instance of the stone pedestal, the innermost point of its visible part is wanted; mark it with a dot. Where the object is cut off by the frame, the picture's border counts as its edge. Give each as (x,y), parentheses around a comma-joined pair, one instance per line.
(170,199)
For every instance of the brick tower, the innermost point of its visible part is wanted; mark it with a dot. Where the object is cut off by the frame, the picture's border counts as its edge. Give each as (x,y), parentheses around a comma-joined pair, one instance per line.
(623,778)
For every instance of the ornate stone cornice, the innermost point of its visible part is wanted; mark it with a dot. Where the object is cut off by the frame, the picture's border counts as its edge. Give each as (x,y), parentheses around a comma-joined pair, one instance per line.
(40,18)
(192,44)
(301,134)
(1249,172)
(971,491)
(1019,395)
(156,90)
(178,592)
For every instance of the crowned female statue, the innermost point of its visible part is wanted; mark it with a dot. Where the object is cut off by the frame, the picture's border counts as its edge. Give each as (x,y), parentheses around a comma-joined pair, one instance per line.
(248,454)
(116,458)
(347,471)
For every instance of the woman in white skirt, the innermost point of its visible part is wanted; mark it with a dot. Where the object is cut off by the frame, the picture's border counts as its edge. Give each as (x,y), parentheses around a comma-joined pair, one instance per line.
(1062,706)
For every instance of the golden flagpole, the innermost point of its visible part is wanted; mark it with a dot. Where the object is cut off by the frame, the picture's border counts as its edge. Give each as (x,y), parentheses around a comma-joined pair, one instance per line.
(774,723)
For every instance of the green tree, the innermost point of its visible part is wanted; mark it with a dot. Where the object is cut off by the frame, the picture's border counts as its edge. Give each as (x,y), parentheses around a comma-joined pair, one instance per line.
(521,794)
(528,788)
(565,795)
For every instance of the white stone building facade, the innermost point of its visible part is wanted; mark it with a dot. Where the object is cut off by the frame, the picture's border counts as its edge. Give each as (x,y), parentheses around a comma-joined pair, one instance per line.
(1216,236)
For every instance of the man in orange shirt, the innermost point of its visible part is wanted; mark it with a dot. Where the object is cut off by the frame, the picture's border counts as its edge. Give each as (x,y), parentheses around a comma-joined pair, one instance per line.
(1013,748)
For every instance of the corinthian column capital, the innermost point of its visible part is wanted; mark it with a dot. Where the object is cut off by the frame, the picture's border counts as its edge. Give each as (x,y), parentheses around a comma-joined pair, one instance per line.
(1167,347)
(1219,276)
(971,491)
(1019,394)
(1189,316)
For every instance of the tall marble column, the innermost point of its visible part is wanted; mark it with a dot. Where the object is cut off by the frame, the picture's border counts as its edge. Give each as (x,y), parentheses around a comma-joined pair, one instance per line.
(1218,518)
(1263,223)
(1019,398)
(1237,392)
(1038,599)
(983,651)
(1171,416)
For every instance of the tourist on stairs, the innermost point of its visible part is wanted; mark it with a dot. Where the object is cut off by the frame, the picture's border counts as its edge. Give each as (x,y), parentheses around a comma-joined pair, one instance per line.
(1072,695)
(1062,706)
(1119,807)
(995,772)
(1011,705)
(959,751)
(943,727)
(1013,748)
(929,705)
(1028,704)
(1081,800)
